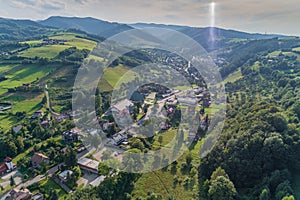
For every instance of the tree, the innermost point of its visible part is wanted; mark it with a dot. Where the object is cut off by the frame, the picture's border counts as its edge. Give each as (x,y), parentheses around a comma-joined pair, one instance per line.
(265,194)
(283,189)
(53,195)
(222,189)
(12,181)
(70,158)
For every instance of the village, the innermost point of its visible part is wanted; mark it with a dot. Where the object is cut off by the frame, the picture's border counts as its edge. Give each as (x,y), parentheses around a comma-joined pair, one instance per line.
(148,102)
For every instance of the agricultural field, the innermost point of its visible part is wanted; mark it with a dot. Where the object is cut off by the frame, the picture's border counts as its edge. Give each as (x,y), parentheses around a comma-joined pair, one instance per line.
(48,51)
(4,68)
(26,74)
(234,76)
(72,40)
(120,74)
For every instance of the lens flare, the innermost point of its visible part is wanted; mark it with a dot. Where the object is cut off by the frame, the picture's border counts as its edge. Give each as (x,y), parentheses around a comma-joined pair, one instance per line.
(212,23)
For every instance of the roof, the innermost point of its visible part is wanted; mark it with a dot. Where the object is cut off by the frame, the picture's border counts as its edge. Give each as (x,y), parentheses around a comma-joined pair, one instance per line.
(124,104)
(3,168)
(16,129)
(38,158)
(7,159)
(65,173)
(97,181)
(88,163)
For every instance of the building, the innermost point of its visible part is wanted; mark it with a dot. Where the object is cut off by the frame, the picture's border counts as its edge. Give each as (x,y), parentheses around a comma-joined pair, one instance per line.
(97,181)
(7,166)
(37,159)
(71,135)
(17,129)
(88,165)
(118,138)
(17,194)
(37,196)
(65,175)
(37,114)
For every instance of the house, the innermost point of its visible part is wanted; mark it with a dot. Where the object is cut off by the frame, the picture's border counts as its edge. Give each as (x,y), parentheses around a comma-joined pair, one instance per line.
(88,165)
(17,194)
(46,123)
(37,159)
(37,196)
(118,138)
(97,181)
(65,175)
(164,126)
(7,166)
(17,129)
(71,135)
(37,114)
(123,105)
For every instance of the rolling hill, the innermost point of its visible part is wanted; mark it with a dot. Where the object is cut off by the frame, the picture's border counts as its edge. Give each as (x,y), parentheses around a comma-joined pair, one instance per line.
(12,30)
(89,25)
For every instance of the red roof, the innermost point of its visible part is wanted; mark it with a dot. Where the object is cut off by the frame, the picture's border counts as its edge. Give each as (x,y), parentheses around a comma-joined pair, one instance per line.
(38,158)
(3,168)
(7,159)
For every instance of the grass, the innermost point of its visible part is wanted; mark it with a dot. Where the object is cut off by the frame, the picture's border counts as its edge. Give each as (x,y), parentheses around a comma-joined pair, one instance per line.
(167,137)
(72,40)
(296,49)
(6,68)
(213,109)
(48,51)
(234,76)
(27,152)
(120,73)
(26,74)
(162,181)
(32,42)
(6,122)
(46,186)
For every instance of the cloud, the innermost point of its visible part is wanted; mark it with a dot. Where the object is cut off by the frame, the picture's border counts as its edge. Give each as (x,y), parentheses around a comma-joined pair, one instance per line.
(250,15)
(38,5)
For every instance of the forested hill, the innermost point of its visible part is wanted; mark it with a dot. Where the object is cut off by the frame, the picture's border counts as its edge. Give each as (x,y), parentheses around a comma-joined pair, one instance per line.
(89,25)
(12,30)
(258,154)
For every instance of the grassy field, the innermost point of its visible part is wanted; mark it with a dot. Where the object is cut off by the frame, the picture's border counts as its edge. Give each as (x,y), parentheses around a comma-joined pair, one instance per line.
(5,68)
(234,76)
(115,74)
(6,122)
(46,186)
(32,42)
(296,49)
(26,74)
(72,40)
(49,51)
(162,181)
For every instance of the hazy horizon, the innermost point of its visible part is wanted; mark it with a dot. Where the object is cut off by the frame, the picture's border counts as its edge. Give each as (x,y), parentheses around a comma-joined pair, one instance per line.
(253,16)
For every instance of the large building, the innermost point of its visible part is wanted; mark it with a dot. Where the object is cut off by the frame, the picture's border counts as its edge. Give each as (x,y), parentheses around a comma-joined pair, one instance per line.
(7,166)
(88,165)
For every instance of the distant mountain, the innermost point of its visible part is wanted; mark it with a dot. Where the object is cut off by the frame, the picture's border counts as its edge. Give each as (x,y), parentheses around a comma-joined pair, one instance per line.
(152,25)
(12,30)
(88,24)
(204,35)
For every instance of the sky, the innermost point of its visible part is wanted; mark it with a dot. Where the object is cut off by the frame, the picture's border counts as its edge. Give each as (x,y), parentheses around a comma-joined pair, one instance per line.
(255,16)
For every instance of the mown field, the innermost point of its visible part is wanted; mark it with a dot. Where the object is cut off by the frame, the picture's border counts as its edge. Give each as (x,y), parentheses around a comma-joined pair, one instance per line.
(48,51)
(23,74)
